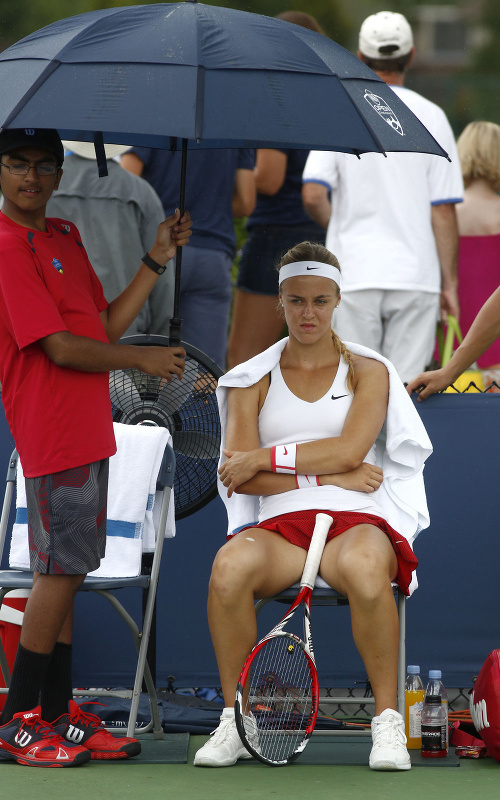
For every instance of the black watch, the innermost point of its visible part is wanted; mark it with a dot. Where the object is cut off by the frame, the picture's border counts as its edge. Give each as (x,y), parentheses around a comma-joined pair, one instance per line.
(152,264)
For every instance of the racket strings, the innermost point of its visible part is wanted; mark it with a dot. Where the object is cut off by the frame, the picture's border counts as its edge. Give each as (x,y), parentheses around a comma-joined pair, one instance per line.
(280,697)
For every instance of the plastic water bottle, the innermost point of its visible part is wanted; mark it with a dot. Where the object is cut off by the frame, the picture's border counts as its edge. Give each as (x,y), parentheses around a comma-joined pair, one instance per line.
(435,687)
(434,728)
(414,701)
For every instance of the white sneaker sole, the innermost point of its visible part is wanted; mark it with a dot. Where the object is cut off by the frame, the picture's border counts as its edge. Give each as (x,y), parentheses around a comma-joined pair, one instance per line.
(207,761)
(388,765)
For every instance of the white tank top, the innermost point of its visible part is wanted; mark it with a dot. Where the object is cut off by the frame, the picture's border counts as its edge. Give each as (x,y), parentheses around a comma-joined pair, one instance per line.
(285,418)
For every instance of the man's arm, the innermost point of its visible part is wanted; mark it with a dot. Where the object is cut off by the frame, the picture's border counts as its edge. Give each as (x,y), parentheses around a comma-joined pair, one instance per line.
(90,355)
(270,171)
(317,203)
(122,311)
(482,333)
(445,227)
(132,163)
(244,193)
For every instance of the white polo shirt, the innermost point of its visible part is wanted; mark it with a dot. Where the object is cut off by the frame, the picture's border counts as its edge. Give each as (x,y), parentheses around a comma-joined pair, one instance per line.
(380,228)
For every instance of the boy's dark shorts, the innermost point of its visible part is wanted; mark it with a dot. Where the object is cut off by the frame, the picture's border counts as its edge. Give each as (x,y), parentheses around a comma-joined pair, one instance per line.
(67,519)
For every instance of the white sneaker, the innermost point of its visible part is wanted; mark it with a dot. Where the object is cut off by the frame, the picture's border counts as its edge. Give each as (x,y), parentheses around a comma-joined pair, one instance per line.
(224,747)
(389,742)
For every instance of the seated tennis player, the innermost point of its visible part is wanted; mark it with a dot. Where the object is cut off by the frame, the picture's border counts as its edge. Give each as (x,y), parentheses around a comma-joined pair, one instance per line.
(303,431)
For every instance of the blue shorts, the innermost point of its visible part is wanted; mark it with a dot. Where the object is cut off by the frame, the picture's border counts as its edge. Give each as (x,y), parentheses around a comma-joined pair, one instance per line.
(263,249)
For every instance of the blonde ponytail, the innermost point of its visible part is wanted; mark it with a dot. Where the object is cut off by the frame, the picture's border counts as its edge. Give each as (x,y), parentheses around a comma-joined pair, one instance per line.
(346,354)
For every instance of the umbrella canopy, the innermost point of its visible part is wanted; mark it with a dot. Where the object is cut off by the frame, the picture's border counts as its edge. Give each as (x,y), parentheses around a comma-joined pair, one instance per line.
(217,77)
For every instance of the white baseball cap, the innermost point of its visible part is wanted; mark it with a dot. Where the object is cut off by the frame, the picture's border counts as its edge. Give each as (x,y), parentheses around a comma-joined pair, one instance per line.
(87,149)
(385,35)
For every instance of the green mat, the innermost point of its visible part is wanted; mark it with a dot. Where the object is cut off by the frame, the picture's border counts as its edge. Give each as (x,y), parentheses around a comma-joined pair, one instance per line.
(172,749)
(352,750)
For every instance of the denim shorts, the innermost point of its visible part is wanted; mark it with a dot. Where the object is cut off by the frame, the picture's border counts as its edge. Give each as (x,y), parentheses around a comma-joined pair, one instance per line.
(263,249)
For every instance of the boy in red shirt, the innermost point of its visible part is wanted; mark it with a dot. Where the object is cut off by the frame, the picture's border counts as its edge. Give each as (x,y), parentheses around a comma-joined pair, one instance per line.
(58,341)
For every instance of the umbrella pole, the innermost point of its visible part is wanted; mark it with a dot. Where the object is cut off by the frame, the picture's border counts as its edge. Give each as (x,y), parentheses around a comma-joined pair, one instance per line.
(175,327)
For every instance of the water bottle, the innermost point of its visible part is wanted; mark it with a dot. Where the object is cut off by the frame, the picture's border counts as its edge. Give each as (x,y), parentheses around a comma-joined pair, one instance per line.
(435,687)
(434,728)
(414,701)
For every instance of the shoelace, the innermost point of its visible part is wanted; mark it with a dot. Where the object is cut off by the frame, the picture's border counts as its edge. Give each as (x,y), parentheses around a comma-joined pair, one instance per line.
(87,718)
(389,729)
(221,732)
(40,726)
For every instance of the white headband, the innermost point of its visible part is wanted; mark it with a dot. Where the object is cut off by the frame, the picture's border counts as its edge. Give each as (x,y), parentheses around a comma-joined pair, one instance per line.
(315,268)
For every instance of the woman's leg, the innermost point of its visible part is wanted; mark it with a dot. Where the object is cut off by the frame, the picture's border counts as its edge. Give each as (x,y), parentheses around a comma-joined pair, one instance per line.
(361,563)
(256,325)
(255,563)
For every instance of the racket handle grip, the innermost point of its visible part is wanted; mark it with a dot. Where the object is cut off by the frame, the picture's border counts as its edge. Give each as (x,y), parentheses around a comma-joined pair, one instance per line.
(316,547)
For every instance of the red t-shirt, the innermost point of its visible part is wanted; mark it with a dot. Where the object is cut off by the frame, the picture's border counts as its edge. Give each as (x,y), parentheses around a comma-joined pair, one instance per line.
(60,418)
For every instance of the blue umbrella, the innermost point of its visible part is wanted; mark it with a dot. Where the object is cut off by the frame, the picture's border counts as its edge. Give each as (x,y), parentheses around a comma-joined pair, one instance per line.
(205,76)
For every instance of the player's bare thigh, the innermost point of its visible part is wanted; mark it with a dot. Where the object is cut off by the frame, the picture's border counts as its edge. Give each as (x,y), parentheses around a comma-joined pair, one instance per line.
(360,554)
(260,560)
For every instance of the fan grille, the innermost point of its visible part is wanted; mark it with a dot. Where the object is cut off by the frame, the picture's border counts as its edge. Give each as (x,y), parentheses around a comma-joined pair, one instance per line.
(188,408)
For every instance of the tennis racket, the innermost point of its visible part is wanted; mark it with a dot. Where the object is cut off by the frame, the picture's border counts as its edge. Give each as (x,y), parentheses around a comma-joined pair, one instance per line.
(278,693)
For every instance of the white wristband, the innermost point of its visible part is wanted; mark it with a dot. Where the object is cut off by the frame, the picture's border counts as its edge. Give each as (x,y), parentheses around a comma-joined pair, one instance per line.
(307,481)
(283,458)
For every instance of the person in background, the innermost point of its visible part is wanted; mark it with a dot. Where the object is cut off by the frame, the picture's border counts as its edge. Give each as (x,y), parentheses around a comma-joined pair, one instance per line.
(117,217)
(391,221)
(219,186)
(479,228)
(277,223)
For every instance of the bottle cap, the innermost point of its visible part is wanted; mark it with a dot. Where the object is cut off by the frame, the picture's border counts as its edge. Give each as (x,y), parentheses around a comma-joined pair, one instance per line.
(413,669)
(435,674)
(433,699)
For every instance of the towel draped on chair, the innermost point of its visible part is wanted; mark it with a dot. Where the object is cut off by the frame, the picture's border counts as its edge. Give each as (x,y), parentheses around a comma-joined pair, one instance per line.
(131,521)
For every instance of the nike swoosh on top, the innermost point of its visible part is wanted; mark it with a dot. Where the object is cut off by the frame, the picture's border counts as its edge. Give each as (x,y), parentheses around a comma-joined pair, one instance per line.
(339,396)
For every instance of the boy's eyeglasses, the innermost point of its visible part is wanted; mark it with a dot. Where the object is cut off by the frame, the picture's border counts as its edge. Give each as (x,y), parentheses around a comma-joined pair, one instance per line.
(23,169)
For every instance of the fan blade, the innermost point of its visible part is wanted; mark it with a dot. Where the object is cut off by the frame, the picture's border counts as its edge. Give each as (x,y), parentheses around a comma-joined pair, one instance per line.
(122,391)
(172,395)
(196,444)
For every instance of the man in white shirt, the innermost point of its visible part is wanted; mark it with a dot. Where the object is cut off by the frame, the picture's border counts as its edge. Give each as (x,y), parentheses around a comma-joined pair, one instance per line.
(391,221)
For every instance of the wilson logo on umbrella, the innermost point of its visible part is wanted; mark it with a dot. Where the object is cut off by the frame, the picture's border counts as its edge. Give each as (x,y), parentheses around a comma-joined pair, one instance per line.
(385,111)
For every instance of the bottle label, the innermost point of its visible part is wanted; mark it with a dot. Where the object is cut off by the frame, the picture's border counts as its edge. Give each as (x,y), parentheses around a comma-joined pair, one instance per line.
(415,720)
(433,738)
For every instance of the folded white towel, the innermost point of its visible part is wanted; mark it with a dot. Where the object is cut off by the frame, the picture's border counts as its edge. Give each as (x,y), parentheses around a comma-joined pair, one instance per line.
(133,471)
(19,557)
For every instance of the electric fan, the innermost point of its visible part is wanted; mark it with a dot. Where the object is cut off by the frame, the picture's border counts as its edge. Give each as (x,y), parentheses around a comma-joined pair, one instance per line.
(188,408)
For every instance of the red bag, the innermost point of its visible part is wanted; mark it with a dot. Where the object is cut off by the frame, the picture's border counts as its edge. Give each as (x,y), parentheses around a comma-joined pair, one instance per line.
(485,704)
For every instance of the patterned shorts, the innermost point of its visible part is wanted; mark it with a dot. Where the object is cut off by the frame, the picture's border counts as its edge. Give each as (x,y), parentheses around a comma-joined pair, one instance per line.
(298,526)
(67,519)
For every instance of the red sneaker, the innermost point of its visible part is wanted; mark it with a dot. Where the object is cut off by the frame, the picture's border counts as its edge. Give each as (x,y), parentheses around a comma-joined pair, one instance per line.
(88,731)
(32,742)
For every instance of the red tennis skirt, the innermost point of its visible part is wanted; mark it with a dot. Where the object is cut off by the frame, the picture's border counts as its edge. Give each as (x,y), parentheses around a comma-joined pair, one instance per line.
(298,526)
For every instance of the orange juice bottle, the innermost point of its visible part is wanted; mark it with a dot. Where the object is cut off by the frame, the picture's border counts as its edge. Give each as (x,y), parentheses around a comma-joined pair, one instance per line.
(414,701)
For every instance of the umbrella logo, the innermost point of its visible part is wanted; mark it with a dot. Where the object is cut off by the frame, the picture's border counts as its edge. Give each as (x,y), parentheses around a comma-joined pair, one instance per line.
(384,111)
(57,264)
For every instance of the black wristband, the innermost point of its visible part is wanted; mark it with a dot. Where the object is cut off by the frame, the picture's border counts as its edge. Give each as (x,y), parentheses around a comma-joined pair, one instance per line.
(152,264)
